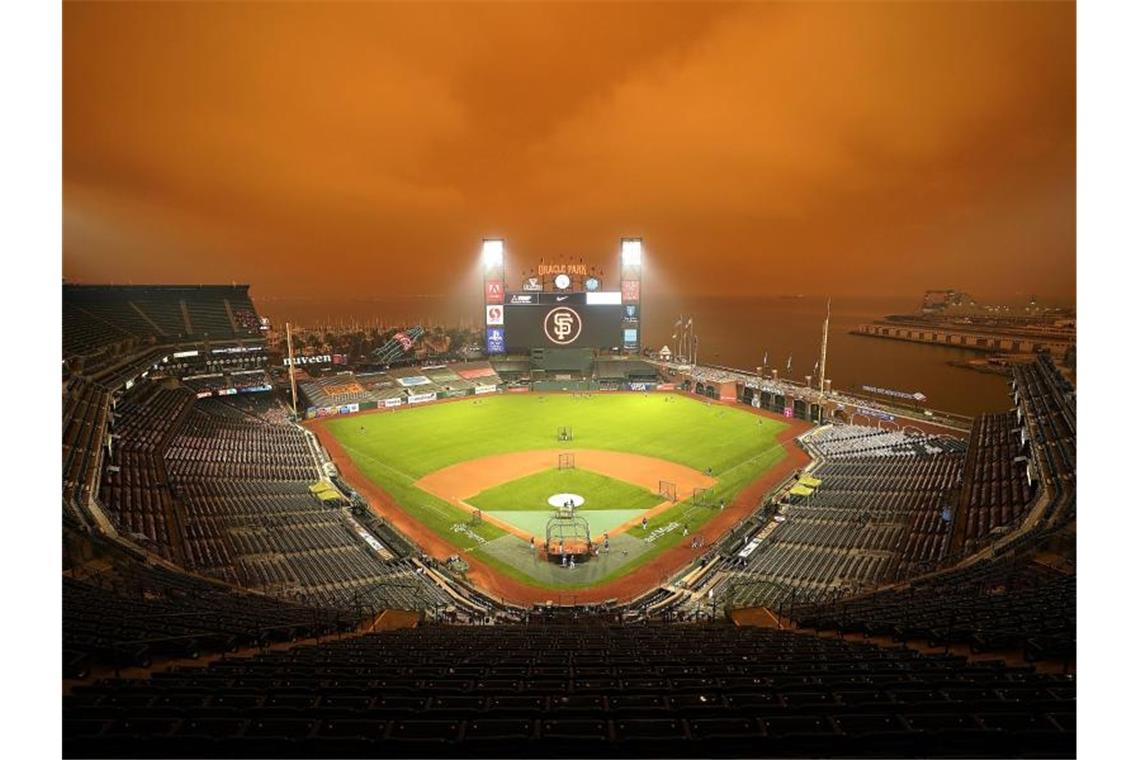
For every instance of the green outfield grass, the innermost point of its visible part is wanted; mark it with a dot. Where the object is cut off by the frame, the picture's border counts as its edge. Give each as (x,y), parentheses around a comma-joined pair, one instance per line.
(419,440)
(394,449)
(531,492)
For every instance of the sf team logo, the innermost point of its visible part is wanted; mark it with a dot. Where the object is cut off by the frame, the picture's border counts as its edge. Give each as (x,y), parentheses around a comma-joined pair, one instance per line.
(562,325)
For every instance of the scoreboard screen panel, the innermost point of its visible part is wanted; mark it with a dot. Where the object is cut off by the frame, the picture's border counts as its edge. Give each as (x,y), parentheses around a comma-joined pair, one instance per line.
(566,324)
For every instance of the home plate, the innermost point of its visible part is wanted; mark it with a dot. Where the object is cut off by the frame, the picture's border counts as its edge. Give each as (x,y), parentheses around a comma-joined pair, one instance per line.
(561,499)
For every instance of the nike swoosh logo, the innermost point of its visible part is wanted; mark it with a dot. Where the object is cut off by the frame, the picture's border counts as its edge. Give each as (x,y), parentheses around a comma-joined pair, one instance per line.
(561,298)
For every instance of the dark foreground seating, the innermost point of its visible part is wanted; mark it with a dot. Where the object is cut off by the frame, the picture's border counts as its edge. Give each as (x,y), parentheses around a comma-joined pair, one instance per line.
(572,690)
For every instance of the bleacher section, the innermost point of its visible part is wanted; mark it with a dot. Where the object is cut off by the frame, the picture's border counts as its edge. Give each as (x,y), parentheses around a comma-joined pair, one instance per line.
(371,389)
(98,315)
(873,514)
(575,691)
(132,614)
(999,491)
(991,605)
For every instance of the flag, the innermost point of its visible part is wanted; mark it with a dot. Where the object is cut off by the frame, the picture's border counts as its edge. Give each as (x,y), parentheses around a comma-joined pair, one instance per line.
(765,358)
(789,362)
(677,324)
(816,370)
(690,322)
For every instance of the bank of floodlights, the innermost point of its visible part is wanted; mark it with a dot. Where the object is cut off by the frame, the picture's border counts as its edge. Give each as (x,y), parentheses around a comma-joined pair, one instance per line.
(631,252)
(492,253)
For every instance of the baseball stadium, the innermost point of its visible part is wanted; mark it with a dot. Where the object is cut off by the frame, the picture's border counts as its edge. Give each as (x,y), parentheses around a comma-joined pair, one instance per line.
(555,542)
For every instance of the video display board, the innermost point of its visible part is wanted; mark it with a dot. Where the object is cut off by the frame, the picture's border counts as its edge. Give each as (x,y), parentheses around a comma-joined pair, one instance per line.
(572,322)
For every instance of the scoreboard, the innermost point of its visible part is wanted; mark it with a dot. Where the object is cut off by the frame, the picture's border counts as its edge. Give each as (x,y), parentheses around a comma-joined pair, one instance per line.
(563,306)
(562,320)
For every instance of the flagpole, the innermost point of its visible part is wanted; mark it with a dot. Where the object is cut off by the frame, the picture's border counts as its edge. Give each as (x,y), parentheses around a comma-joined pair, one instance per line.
(823,349)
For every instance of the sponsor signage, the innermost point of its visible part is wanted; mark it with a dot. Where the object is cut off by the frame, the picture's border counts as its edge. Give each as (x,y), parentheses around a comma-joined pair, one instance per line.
(184,354)
(641,386)
(868,411)
(481,389)
(788,411)
(412,381)
(299,360)
(532,283)
(348,409)
(227,391)
(204,394)
(237,349)
(551,299)
(392,402)
(326,411)
(915,396)
(630,335)
(518,389)
(667,387)
(631,311)
(405,340)
(604,298)
(494,290)
(593,283)
(494,315)
(255,389)
(496,340)
(420,398)
(631,291)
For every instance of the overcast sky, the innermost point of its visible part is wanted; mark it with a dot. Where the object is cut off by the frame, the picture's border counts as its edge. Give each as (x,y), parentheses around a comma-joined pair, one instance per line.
(359,149)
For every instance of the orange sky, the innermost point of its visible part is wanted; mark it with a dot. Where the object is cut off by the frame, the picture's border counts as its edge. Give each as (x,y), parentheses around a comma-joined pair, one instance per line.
(359,149)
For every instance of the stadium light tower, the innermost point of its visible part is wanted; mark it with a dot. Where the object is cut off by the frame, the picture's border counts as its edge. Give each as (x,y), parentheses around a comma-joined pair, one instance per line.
(492,253)
(631,252)
(631,294)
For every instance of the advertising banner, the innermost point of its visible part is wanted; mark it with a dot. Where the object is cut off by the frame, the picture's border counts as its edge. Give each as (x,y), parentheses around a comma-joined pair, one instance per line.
(789,411)
(366,405)
(532,283)
(299,360)
(496,340)
(326,411)
(909,396)
(255,389)
(667,387)
(518,390)
(204,394)
(481,389)
(412,380)
(348,409)
(874,413)
(392,402)
(493,291)
(631,291)
(604,298)
(641,386)
(227,391)
(420,398)
(495,315)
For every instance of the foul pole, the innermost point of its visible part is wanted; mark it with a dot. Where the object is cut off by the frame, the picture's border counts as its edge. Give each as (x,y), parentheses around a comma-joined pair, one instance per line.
(292,366)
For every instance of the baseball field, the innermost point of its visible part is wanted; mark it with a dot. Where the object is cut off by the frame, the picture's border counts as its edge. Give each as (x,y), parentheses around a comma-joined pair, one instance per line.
(482,477)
